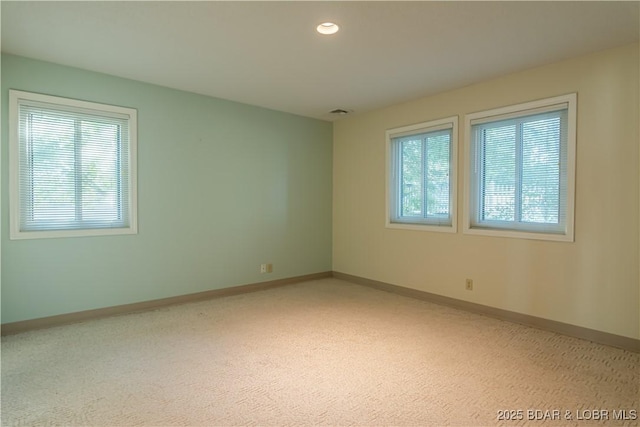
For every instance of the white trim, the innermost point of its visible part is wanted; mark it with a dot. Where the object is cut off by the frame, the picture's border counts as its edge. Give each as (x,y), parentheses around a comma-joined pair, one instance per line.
(540,105)
(423,227)
(22,235)
(15,96)
(570,102)
(430,126)
(507,113)
(14,162)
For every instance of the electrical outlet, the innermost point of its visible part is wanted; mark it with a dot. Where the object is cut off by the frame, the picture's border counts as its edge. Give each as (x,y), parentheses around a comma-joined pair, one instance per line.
(266,268)
(469,285)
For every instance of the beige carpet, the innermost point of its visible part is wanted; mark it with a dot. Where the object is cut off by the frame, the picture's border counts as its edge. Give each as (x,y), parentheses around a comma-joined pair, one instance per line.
(323,352)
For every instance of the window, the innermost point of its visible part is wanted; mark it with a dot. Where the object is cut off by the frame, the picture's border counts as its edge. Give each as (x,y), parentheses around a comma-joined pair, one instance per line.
(421,174)
(521,170)
(72,167)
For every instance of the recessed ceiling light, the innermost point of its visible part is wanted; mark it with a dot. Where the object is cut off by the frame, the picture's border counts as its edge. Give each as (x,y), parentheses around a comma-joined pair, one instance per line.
(327,28)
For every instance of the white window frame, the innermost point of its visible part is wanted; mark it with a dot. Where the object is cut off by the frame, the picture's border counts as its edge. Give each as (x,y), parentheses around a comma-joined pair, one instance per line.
(470,194)
(67,104)
(391,201)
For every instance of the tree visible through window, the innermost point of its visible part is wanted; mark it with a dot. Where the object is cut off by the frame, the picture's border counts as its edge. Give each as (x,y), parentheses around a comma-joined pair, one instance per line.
(421,169)
(74,169)
(425,175)
(520,168)
(520,165)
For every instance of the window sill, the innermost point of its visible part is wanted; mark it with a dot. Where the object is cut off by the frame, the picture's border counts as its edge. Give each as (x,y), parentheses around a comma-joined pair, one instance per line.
(516,234)
(24,235)
(422,227)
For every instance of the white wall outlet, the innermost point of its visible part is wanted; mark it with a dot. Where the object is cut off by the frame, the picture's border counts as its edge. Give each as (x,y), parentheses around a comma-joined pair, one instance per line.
(469,284)
(266,268)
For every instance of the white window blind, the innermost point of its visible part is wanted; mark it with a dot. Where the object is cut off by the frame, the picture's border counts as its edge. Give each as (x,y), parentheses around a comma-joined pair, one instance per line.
(520,162)
(421,165)
(74,166)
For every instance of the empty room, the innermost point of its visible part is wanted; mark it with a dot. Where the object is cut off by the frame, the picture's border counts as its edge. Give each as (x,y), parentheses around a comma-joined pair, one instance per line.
(273,213)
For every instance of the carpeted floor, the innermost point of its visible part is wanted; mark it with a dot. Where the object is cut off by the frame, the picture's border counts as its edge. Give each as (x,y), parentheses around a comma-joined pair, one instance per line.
(323,352)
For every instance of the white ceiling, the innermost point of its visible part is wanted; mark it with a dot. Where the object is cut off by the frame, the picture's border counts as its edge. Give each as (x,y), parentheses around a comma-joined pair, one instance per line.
(268,53)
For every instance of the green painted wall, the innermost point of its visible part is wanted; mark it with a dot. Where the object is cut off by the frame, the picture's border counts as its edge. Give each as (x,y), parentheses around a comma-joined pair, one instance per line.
(222,188)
